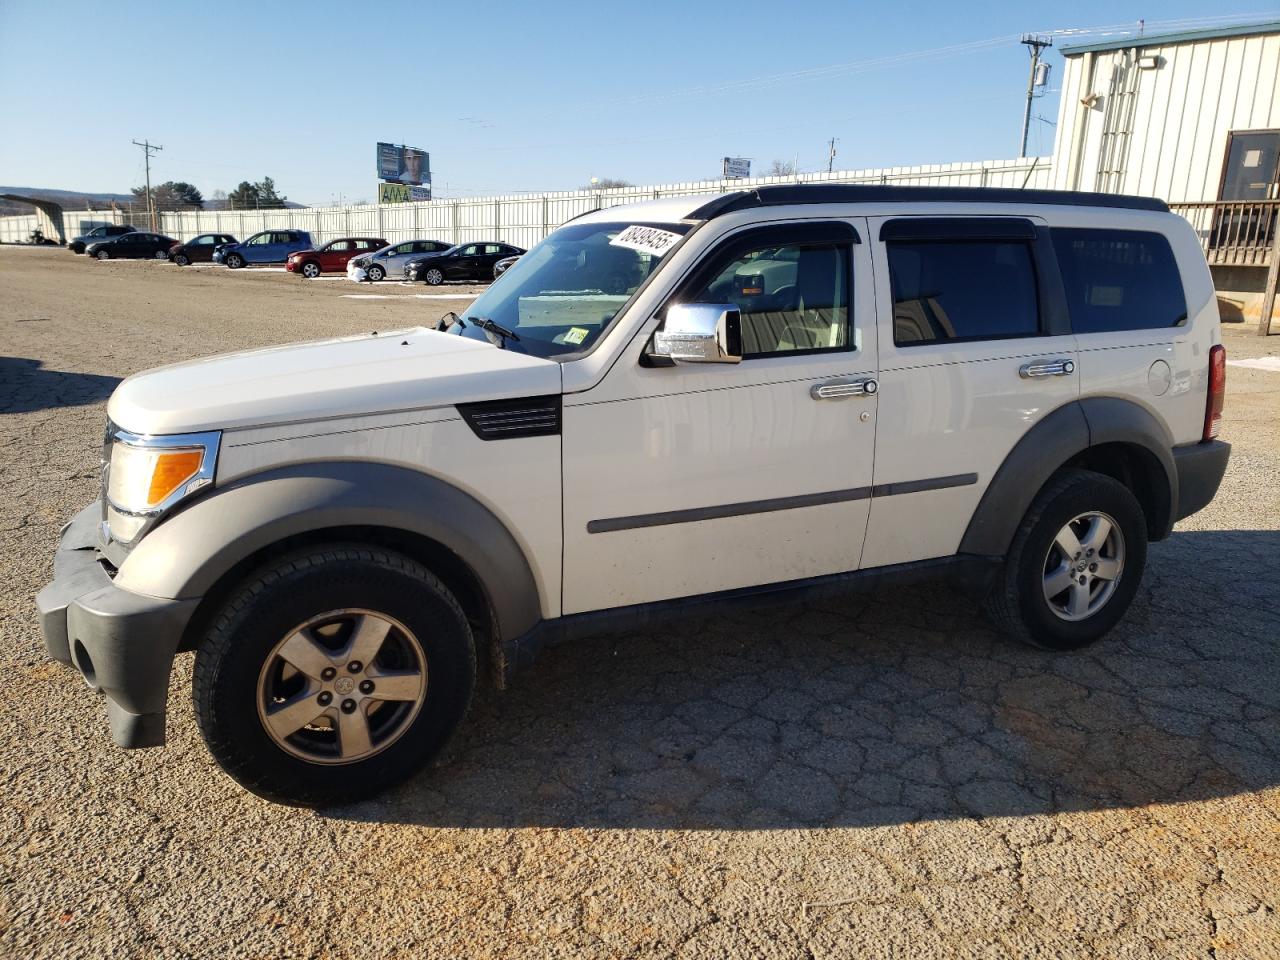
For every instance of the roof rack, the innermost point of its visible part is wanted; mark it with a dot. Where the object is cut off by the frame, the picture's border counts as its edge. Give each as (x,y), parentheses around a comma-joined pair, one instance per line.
(799,193)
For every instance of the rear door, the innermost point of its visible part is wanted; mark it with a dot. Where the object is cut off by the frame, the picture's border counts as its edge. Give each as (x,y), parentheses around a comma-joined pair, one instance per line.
(975,348)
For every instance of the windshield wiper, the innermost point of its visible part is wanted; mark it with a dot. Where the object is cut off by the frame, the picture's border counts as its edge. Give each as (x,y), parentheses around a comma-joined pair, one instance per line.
(492,326)
(448,320)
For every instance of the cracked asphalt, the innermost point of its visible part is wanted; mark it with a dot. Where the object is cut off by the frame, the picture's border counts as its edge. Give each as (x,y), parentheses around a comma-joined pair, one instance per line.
(882,776)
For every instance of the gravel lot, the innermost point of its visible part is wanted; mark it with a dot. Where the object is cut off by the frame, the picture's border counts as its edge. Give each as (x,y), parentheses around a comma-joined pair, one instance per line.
(879,777)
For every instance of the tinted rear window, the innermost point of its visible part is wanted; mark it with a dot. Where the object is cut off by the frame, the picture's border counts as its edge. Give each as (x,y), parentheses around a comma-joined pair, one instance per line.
(962,290)
(1119,280)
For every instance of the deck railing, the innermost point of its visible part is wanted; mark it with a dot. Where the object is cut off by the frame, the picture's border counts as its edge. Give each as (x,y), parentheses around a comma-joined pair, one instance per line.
(1234,233)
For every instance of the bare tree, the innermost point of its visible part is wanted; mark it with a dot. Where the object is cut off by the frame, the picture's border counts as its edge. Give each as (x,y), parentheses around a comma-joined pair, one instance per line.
(782,168)
(607,183)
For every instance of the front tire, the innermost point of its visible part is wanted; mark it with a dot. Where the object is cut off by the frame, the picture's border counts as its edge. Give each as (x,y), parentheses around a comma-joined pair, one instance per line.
(1075,563)
(375,273)
(311,269)
(103,254)
(434,277)
(332,674)
(182,260)
(234,261)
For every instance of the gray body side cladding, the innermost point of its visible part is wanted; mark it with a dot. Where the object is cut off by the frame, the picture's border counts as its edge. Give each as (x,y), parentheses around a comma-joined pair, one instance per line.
(187,554)
(1064,433)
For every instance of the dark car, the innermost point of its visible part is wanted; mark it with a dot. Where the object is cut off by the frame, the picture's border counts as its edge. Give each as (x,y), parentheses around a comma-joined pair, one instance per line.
(133,246)
(199,249)
(98,234)
(503,265)
(466,261)
(332,257)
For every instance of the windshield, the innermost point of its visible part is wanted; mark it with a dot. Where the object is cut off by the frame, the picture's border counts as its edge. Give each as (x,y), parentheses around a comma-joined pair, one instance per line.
(561,296)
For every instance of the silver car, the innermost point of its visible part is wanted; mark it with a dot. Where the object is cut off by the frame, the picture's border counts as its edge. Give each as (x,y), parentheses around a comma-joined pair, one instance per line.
(390,260)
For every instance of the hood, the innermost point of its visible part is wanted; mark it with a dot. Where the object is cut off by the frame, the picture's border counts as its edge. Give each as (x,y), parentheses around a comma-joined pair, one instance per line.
(350,376)
(299,253)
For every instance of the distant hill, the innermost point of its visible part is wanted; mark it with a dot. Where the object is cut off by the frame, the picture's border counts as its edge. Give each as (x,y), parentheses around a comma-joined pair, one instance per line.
(70,199)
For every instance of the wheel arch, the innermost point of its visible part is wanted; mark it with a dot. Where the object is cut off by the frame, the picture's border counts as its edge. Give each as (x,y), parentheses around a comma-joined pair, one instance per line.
(253,520)
(1109,435)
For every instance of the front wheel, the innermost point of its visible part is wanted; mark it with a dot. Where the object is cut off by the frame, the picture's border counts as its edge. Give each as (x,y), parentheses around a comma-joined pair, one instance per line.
(375,273)
(234,261)
(434,277)
(103,254)
(182,260)
(311,269)
(1074,565)
(333,674)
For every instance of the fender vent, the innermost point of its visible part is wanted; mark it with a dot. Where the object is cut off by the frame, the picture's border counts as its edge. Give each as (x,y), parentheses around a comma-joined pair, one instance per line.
(508,419)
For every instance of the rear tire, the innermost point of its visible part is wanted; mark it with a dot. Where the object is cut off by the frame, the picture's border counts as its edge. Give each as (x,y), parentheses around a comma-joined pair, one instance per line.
(1075,563)
(233,261)
(243,680)
(162,255)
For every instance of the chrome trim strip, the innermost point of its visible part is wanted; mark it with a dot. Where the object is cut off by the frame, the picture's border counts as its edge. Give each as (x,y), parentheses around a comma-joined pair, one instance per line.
(749,507)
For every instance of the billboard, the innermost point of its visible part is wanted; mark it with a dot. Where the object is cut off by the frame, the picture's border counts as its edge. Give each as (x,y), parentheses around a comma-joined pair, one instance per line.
(737,168)
(400,164)
(402,193)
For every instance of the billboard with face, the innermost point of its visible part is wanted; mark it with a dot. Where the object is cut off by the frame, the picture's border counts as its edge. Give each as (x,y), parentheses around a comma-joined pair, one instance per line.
(400,164)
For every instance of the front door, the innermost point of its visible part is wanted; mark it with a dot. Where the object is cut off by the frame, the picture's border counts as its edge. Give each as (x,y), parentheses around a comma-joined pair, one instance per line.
(975,348)
(689,479)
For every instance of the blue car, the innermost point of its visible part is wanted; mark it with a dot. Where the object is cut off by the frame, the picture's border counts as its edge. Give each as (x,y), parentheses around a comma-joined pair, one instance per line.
(269,246)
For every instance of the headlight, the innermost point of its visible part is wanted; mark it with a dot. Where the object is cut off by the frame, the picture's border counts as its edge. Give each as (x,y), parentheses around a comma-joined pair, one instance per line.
(148,475)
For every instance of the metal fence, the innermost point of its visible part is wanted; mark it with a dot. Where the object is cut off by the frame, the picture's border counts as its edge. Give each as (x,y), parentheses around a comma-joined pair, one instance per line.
(520,219)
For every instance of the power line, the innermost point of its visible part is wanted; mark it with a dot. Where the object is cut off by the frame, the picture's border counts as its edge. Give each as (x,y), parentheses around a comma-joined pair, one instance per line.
(147,147)
(1034,45)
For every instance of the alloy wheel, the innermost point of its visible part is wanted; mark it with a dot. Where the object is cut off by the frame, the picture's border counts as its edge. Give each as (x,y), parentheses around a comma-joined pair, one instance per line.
(310,270)
(1083,566)
(342,687)
(434,277)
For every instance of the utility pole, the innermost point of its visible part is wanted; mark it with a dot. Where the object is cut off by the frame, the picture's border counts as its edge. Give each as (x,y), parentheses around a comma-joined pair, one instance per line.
(147,148)
(1034,46)
(831,153)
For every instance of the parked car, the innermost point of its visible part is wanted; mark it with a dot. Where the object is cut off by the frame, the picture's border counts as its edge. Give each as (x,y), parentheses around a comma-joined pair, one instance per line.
(97,234)
(199,249)
(268,246)
(801,389)
(332,257)
(134,245)
(390,260)
(466,261)
(503,265)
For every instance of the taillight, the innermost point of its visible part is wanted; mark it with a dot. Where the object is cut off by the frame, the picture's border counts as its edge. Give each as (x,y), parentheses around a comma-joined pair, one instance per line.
(1217,391)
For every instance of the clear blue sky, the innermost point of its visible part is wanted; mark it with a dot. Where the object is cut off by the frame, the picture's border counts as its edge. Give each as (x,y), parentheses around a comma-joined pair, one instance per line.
(518,96)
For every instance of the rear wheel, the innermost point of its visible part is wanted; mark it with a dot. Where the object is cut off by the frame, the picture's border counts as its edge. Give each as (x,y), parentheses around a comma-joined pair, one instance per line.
(375,272)
(333,674)
(234,261)
(162,255)
(1075,563)
(311,269)
(434,277)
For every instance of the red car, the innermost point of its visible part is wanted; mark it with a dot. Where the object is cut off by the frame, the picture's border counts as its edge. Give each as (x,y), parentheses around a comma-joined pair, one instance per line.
(332,257)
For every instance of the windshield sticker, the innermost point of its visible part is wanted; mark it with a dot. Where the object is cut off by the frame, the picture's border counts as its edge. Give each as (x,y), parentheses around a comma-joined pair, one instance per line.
(576,335)
(646,239)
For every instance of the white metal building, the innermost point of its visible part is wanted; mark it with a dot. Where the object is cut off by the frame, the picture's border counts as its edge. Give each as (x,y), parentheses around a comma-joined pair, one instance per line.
(1193,118)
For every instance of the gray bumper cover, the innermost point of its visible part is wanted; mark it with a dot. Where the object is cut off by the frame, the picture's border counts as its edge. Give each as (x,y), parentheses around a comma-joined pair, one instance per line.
(123,643)
(1200,470)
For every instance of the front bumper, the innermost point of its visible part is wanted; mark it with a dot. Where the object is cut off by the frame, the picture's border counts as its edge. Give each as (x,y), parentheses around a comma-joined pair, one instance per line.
(1200,470)
(358,274)
(122,643)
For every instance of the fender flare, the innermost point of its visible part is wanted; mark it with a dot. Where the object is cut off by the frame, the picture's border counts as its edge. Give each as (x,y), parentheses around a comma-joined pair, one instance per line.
(187,554)
(1066,432)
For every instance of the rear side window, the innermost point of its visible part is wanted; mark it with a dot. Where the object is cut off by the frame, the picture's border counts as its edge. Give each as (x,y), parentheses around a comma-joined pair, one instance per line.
(1119,280)
(962,290)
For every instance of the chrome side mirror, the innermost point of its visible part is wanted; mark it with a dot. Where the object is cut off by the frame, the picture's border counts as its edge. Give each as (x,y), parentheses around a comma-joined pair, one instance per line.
(700,333)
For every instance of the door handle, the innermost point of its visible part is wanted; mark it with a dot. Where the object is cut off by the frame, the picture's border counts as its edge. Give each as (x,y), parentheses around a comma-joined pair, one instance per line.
(1047,368)
(843,389)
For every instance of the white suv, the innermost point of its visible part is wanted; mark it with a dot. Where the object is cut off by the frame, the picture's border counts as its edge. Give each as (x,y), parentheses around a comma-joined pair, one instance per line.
(662,407)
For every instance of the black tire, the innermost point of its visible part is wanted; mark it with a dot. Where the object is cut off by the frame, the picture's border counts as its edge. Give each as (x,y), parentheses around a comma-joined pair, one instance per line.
(181,259)
(1017,603)
(268,607)
(103,254)
(311,270)
(77,248)
(374,273)
(233,261)
(433,276)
